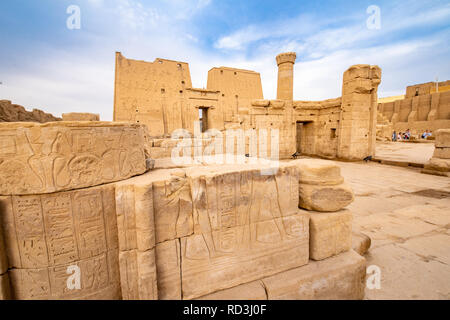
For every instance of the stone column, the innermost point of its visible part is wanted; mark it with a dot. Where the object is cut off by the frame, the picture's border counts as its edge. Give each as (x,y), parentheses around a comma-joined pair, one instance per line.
(358,116)
(285,62)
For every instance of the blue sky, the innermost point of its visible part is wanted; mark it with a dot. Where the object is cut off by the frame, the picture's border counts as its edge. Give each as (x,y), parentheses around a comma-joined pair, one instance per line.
(45,65)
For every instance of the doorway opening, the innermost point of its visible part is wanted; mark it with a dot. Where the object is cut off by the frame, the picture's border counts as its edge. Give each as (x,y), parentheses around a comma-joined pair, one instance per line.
(203,118)
(305,138)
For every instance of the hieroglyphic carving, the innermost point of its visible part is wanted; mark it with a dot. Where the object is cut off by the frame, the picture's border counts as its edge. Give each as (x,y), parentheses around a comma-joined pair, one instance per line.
(330,234)
(168,267)
(136,229)
(45,234)
(246,226)
(36,159)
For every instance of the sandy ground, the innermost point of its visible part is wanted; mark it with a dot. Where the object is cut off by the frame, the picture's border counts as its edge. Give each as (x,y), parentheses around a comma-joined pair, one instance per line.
(402,151)
(407,216)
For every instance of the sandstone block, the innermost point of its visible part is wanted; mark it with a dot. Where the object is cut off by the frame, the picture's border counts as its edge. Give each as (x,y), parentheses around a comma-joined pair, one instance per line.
(277,104)
(3,259)
(159,152)
(135,216)
(330,234)
(224,196)
(55,229)
(246,225)
(46,234)
(172,205)
(361,243)
(165,206)
(168,265)
(437,164)
(75,116)
(442,153)
(442,138)
(5,289)
(57,156)
(138,275)
(229,257)
(325,198)
(97,275)
(338,278)
(260,103)
(247,291)
(318,172)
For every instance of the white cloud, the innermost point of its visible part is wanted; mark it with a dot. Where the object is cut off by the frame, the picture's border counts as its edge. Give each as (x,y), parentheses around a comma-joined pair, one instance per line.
(135,16)
(82,79)
(96,3)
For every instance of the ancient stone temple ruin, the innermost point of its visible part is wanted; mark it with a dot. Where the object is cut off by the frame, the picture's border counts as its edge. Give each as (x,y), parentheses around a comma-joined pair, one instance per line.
(84,198)
(424,107)
(225,232)
(160,95)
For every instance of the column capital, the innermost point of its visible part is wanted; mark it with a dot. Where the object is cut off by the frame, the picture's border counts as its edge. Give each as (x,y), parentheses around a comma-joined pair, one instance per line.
(286,57)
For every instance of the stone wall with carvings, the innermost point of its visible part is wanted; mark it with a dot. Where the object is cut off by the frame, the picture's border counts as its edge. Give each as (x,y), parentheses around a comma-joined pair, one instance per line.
(217,232)
(160,95)
(422,109)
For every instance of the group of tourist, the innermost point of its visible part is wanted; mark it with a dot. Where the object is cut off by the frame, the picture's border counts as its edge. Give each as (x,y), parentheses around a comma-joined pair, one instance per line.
(407,135)
(401,136)
(426,134)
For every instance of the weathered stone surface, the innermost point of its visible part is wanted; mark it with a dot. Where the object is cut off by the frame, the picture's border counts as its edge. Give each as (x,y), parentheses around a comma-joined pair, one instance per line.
(159,94)
(46,234)
(330,234)
(223,259)
(75,116)
(97,274)
(338,278)
(172,205)
(277,104)
(138,277)
(160,153)
(246,226)
(358,117)
(285,62)
(45,158)
(232,196)
(361,243)
(438,164)
(247,291)
(318,172)
(325,198)
(14,113)
(168,265)
(442,138)
(443,153)
(3,258)
(136,230)
(5,289)
(168,201)
(321,186)
(135,218)
(260,103)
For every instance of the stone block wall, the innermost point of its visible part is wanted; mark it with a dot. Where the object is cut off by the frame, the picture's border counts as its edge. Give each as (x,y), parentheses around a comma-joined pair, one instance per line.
(57,212)
(160,95)
(183,233)
(426,111)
